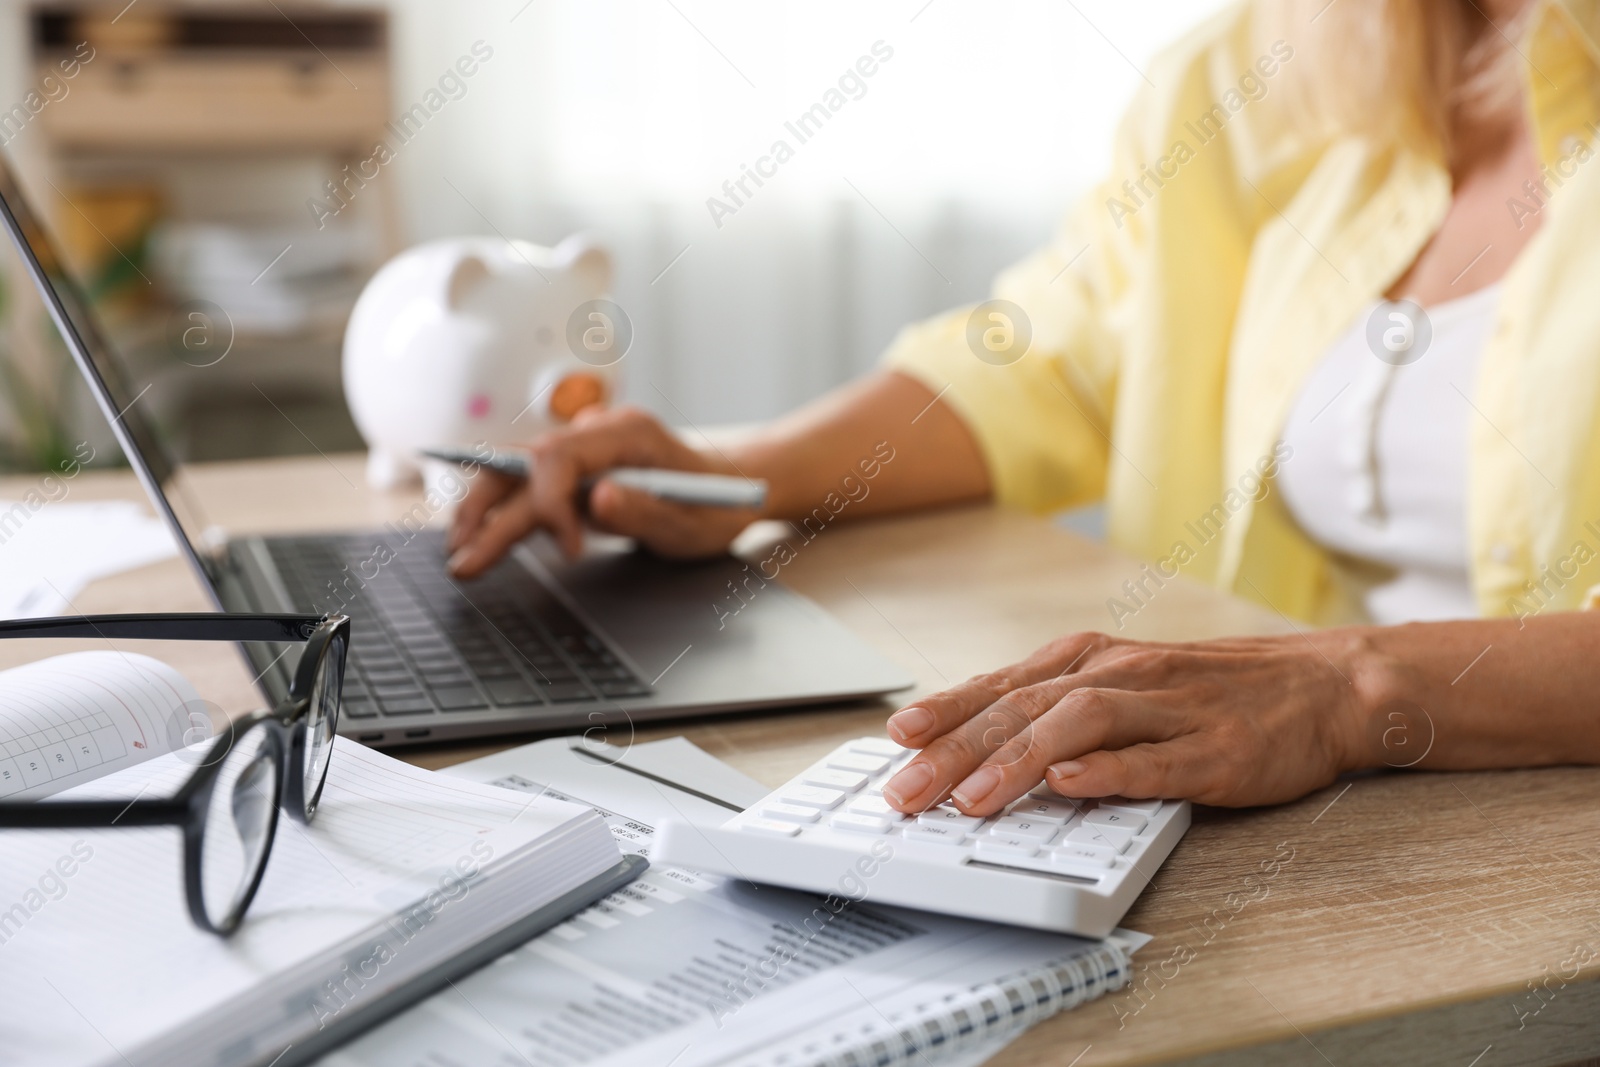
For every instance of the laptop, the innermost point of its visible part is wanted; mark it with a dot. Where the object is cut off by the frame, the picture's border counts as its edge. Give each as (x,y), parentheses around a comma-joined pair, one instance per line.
(535,645)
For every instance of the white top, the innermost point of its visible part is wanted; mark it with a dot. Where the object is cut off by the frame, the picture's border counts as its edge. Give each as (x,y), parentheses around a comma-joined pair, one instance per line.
(1378,473)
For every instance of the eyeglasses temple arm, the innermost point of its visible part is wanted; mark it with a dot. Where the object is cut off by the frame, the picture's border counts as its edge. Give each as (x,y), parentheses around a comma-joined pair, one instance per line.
(199,626)
(62,814)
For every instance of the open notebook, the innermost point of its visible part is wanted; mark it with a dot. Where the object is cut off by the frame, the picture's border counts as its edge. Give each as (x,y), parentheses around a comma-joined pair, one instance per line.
(405,881)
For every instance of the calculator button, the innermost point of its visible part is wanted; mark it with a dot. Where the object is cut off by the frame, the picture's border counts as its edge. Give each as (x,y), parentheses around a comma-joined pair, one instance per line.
(877,746)
(875,806)
(1029,828)
(943,816)
(794,813)
(1044,792)
(849,761)
(1123,820)
(1007,846)
(770,827)
(1044,810)
(1105,836)
(1148,808)
(1079,855)
(846,781)
(811,796)
(936,835)
(860,824)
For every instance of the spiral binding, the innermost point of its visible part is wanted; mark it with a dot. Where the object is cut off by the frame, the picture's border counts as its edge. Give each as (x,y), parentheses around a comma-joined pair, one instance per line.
(1005,1006)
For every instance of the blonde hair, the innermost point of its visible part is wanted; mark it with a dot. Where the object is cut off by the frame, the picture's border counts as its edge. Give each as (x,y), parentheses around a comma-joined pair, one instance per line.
(1412,71)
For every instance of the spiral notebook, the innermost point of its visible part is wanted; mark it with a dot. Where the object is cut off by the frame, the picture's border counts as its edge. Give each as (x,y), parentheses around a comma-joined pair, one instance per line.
(694,970)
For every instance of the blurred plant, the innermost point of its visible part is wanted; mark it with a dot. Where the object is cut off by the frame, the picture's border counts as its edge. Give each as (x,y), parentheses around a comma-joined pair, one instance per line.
(40,439)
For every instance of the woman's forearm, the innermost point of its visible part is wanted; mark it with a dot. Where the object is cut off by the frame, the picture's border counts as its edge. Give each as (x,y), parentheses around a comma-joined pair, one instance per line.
(1480,693)
(900,446)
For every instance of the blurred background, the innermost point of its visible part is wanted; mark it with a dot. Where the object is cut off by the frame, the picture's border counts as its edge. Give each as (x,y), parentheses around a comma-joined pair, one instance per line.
(187,165)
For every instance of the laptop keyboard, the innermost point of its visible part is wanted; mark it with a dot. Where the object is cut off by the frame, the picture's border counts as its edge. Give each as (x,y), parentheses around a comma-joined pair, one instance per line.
(423,644)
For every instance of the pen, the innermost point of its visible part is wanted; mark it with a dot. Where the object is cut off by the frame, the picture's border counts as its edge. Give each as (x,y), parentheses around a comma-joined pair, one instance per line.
(681,487)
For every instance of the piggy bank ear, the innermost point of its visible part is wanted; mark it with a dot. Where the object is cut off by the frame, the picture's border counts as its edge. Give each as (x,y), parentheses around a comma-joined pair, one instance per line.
(466,276)
(590,263)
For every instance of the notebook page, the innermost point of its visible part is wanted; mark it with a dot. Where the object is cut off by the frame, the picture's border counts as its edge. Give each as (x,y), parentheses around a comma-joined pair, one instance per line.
(686,969)
(101,960)
(70,719)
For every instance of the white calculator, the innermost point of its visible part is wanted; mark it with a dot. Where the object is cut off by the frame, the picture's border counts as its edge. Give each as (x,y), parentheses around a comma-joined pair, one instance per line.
(1073,866)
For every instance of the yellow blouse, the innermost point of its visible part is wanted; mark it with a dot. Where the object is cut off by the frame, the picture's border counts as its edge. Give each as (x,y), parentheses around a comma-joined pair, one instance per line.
(1170,325)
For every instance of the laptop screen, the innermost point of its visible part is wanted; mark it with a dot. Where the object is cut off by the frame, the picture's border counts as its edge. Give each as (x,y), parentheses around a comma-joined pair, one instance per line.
(123,404)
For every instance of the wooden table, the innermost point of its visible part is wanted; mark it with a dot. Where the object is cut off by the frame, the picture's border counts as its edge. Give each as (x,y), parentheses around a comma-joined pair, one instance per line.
(1391,919)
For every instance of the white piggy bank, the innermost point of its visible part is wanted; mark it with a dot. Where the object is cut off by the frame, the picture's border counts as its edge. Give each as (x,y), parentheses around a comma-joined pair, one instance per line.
(476,340)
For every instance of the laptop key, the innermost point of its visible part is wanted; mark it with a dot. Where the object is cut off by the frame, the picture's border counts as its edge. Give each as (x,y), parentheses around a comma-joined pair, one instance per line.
(417,705)
(356,708)
(510,691)
(387,695)
(566,693)
(419,639)
(459,698)
(496,672)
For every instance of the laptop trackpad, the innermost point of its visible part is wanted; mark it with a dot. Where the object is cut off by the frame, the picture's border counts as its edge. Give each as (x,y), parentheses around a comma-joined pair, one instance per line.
(712,631)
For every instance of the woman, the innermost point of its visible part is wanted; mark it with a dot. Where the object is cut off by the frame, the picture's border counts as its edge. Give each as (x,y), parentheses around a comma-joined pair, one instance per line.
(1207,342)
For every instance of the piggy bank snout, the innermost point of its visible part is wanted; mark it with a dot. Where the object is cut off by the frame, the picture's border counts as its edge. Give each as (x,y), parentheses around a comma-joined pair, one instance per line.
(576,392)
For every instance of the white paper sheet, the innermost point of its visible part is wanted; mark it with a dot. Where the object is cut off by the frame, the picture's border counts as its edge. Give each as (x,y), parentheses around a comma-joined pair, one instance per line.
(642,978)
(51,550)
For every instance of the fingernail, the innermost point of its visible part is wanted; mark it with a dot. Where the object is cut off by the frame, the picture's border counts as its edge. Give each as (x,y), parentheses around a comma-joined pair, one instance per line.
(908,723)
(457,560)
(908,783)
(979,784)
(1065,770)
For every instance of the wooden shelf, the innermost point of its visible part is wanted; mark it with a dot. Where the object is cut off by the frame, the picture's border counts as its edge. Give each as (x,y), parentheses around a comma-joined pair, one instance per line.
(216,79)
(257,103)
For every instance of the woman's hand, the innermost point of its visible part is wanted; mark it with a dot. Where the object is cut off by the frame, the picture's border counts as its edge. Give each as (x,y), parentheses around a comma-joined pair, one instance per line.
(500,510)
(1234,722)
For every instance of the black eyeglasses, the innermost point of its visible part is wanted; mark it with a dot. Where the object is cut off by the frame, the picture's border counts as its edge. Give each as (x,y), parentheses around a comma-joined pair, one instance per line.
(271,758)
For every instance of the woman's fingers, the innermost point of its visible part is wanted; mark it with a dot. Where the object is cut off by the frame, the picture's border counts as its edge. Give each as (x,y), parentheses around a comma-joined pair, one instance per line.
(559,463)
(488,489)
(1002,752)
(953,756)
(552,490)
(1185,767)
(1082,719)
(1094,742)
(921,723)
(1230,722)
(503,526)
(676,531)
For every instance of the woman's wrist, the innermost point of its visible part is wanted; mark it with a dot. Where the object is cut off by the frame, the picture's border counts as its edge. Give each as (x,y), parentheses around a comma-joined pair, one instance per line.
(1384,724)
(741,458)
